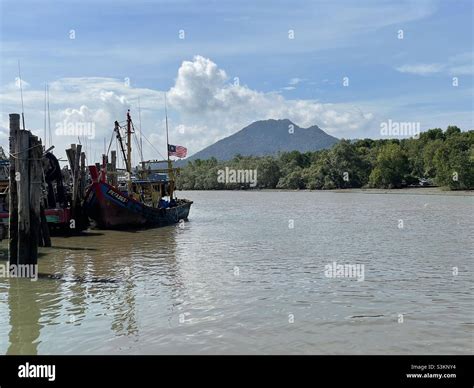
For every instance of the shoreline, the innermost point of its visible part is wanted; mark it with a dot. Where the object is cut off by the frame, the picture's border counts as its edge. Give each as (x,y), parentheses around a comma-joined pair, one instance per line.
(402,191)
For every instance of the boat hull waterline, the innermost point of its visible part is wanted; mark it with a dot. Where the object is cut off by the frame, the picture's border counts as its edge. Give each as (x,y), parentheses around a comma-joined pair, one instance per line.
(112,209)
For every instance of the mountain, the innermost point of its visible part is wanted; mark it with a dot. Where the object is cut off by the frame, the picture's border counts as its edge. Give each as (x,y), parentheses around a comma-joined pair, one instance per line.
(267,137)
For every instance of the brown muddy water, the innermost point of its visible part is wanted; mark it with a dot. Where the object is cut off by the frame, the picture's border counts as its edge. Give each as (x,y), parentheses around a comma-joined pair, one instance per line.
(249,274)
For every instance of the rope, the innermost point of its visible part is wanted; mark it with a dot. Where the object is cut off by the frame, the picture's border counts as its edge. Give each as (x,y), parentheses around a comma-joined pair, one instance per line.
(19,152)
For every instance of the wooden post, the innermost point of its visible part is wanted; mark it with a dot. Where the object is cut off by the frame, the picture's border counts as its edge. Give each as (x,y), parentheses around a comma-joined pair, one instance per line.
(70,152)
(113,158)
(23,187)
(36,182)
(104,166)
(74,155)
(26,179)
(77,175)
(13,194)
(83,175)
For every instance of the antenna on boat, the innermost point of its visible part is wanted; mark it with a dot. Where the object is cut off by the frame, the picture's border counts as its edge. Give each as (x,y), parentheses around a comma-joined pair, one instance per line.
(21,95)
(129,151)
(129,142)
(167,136)
(170,170)
(45,116)
(49,117)
(141,138)
(140,126)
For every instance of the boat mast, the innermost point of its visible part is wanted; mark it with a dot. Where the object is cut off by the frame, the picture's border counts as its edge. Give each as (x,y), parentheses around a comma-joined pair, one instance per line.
(119,138)
(170,168)
(45,117)
(129,150)
(141,139)
(49,118)
(167,136)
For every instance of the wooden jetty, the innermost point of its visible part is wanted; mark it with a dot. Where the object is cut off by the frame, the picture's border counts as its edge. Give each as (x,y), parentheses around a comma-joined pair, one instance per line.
(60,192)
(35,199)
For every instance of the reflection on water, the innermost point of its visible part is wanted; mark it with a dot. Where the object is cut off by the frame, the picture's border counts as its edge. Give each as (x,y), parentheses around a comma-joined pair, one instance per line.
(237,279)
(24,317)
(78,273)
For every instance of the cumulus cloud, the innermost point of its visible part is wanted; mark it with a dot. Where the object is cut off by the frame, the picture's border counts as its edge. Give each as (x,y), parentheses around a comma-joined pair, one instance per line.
(203,92)
(198,85)
(204,106)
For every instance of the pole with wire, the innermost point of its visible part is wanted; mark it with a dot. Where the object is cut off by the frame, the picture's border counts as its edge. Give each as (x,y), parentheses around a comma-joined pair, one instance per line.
(45,115)
(21,95)
(170,169)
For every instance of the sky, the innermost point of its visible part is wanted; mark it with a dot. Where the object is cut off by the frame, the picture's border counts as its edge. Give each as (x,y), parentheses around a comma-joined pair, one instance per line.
(346,66)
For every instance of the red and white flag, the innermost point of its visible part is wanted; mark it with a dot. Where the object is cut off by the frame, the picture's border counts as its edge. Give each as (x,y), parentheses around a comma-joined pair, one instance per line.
(178,151)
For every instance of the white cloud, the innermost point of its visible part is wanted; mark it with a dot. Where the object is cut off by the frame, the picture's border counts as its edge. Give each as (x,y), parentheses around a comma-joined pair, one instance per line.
(461,64)
(462,70)
(15,85)
(292,83)
(203,108)
(203,95)
(198,85)
(295,81)
(421,69)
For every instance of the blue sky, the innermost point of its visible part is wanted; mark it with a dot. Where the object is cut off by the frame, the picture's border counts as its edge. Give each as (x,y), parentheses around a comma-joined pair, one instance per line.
(405,80)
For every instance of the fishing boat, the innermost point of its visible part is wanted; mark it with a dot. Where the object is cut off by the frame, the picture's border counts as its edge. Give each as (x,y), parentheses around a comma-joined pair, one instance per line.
(140,197)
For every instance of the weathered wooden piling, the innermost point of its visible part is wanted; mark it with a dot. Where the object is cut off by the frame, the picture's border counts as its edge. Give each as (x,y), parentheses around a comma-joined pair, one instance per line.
(74,158)
(110,169)
(114,168)
(26,179)
(82,184)
(77,162)
(36,185)
(77,175)
(13,194)
(23,187)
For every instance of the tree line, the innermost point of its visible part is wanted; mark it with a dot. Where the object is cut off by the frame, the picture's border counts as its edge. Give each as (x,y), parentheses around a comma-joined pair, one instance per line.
(437,157)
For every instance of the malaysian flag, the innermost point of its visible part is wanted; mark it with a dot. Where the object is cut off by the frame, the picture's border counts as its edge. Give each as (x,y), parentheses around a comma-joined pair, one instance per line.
(176,150)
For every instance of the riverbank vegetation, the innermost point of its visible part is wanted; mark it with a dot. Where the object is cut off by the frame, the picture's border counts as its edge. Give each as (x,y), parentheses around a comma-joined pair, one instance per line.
(442,158)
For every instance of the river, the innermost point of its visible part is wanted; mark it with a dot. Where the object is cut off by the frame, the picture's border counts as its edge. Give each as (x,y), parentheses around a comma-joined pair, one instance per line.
(249,274)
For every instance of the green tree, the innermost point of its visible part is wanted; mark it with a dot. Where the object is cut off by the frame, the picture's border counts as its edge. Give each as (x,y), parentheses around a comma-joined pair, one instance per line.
(454,161)
(268,173)
(346,167)
(293,180)
(390,168)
